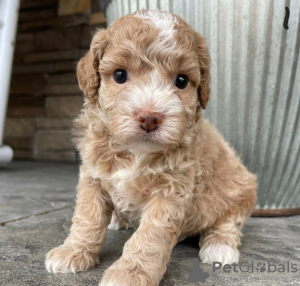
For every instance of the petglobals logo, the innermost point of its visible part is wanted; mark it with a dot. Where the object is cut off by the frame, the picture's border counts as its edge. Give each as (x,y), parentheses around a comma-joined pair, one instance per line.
(250,267)
(231,273)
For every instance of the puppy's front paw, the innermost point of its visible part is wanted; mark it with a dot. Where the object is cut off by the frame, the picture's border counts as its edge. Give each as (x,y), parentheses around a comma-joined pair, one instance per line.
(67,258)
(219,253)
(119,274)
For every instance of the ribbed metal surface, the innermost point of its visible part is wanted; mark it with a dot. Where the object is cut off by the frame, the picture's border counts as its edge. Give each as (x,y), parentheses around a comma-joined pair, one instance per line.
(255,88)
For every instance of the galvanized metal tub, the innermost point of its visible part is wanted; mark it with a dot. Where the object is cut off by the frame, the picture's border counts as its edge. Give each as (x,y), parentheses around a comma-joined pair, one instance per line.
(255,87)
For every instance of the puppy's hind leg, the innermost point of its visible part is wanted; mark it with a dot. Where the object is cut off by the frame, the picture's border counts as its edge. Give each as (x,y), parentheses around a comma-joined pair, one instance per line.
(219,243)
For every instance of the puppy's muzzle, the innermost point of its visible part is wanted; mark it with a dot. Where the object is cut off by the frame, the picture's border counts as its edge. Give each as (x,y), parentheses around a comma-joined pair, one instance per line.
(149,121)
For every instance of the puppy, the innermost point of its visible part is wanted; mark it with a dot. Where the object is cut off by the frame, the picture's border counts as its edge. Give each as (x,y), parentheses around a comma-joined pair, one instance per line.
(148,158)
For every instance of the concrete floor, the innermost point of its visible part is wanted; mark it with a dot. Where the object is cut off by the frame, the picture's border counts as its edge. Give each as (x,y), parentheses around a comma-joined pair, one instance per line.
(36,206)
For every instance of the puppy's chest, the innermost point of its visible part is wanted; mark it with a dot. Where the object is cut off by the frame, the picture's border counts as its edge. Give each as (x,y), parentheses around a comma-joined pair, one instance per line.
(129,193)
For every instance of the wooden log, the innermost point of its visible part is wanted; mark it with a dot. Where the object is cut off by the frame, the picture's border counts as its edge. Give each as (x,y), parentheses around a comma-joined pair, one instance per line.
(27,84)
(19,143)
(67,7)
(86,35)
(27,111)
(69,66)
(26,106)
(33,69)
(54,123)
(23,154)
(62,89)
(66,21)
(57,39)
(53,139)
(51,56)
(19,127)
(52,40)
(23,101)
(37,4)
(68,156)
(54,79)
(64,106)
(29,16)
(97,18)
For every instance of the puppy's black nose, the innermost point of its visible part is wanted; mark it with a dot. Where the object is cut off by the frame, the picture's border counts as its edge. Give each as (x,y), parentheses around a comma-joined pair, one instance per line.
(149,121)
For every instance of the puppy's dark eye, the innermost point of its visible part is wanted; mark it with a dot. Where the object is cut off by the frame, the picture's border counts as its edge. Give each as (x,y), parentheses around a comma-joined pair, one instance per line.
(181,81)
(120,76)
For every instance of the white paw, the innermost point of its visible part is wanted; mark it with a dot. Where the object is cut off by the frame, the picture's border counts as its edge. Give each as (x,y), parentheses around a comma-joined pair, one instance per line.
(56,265)
(219,253)
(65,259)
(116,223)
(57,260)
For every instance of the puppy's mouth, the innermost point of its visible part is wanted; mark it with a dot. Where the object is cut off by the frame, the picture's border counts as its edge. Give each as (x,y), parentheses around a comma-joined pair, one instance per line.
(147,139)
(148,134)
(148,131)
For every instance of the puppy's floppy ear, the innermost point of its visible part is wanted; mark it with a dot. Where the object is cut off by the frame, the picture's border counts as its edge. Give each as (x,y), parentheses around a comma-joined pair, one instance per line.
(204,63)
(88,67)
